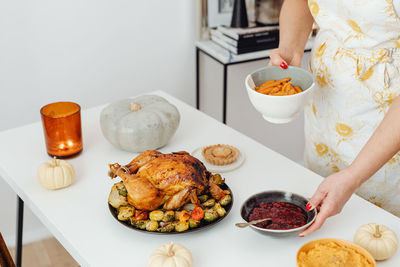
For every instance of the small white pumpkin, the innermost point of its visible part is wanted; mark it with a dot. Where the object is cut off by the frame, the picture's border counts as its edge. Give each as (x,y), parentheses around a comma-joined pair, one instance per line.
(143,123)
(378,240)
(171,255)
(55,174)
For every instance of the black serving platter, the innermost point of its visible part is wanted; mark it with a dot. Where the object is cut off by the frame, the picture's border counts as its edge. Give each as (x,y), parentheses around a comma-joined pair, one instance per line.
(203,224)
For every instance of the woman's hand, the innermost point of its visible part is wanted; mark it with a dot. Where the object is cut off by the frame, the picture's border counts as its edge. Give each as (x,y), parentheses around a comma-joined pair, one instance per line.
(337,188)
(295,25)
(283,58)
(330,197)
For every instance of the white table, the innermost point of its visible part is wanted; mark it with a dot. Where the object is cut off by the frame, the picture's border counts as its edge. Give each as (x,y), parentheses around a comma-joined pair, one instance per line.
(79,217)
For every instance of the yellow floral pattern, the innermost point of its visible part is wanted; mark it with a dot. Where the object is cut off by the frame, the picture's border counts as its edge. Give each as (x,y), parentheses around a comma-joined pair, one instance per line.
(355,26)
(314,8)
(320,50)
(321,149)
(356,65)
(343,129)
(367,74)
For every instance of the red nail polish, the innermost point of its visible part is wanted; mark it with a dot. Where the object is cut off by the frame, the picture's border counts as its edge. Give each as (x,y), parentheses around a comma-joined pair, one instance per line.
(308,207)
(283,65)
(301,235)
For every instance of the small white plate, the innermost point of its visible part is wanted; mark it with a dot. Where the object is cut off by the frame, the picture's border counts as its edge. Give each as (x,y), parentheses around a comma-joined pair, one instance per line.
(218,168)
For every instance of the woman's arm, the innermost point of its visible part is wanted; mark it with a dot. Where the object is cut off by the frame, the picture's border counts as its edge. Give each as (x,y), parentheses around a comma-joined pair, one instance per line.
(333,193)
(295,25)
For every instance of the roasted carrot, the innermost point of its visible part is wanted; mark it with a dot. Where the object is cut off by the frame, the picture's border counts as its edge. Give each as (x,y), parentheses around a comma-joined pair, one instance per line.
(278,88)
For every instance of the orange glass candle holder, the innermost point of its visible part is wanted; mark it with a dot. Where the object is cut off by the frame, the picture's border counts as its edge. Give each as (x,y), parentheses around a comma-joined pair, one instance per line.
(62,129)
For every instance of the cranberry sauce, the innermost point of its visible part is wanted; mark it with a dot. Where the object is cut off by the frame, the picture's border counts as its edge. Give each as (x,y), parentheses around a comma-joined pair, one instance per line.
(284,215)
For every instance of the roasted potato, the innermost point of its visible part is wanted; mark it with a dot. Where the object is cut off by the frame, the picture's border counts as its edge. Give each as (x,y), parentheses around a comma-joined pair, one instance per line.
(125,212)
(183,216)
(217,179)
(177,215)
(209,203)
(181,226)
(156,215)
(151,226)
(115,198)
(220,210)
(189,207)
(139,224)
(166,227)
(169,216)
(210,215)
(225,200)
(193,223)
(202,198)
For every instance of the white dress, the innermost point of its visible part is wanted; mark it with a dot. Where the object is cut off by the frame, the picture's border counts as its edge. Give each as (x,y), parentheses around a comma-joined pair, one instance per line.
(356,64)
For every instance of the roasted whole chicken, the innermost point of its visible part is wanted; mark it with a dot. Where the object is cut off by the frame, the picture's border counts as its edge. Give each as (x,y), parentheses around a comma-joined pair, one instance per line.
(153,179)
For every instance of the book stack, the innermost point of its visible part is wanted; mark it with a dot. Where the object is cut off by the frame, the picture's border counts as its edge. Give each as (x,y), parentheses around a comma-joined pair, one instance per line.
(240,41)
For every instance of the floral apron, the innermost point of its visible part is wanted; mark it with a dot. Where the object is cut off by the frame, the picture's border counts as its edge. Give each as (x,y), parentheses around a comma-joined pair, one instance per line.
(355,61)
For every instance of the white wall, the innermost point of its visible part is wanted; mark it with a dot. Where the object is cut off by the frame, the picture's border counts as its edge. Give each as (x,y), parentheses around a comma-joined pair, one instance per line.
(90,52)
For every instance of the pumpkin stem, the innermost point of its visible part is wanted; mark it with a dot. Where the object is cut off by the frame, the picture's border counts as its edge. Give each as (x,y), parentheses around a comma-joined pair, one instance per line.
(377,233)
(135,106)
(170,251)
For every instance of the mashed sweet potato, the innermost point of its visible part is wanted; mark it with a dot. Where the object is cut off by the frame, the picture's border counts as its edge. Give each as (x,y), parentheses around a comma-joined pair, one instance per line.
(332,254)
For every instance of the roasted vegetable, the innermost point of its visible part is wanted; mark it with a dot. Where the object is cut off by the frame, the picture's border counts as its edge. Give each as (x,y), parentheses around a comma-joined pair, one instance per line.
(197,214)
(225,200)
(156,215)
(169,216)
(193,223)
(220,210)
(123,192)
(151,226)
(209,203)
(217,179)
(181,226)
(183,216)
(202,198)
(139,224)
(115,198)
(140,215)
(210,215)
(125,212)
(189,207)
(165,227)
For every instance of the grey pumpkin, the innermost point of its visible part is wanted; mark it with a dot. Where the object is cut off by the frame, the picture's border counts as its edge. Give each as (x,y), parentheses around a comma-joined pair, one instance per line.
(138,124)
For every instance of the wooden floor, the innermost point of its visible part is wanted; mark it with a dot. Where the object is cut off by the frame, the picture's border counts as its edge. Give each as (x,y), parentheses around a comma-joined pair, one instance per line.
(45,253)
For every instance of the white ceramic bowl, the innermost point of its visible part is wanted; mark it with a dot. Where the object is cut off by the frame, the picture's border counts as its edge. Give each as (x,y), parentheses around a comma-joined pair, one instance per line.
(280,109)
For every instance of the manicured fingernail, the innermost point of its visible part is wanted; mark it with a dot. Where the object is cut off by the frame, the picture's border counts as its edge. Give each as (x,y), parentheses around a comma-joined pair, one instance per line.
(301,235)
(283,65)
(308,207)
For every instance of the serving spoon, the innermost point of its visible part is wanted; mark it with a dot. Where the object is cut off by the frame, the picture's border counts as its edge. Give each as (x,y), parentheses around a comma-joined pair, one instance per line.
(243,225)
